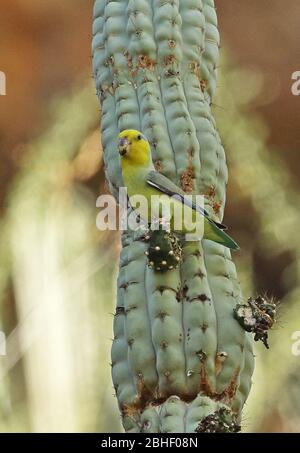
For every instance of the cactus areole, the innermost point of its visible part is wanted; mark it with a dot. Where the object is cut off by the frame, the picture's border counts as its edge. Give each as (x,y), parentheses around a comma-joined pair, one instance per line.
(181,361)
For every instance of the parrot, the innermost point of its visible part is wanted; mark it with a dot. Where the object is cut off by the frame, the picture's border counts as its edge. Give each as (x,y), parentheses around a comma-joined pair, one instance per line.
(141,178)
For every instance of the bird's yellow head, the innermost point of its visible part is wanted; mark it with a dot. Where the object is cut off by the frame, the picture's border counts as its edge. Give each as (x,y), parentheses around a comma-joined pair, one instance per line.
(134,148)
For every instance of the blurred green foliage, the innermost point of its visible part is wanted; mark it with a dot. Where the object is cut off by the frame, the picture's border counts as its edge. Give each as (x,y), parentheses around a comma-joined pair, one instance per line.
(57,280)
(265,205)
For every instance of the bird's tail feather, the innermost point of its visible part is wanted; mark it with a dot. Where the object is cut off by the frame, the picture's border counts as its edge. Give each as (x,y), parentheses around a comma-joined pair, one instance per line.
(213,233)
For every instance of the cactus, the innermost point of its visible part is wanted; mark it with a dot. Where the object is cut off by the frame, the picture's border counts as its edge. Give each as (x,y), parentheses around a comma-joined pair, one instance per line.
(181,362)
(257,316)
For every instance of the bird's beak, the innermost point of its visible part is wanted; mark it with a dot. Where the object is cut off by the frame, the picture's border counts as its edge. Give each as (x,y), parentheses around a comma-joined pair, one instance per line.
(123,146)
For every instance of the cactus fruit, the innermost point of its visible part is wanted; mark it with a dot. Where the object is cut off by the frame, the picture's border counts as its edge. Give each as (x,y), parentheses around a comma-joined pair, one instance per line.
(180,360)
(165,251)
(257,316)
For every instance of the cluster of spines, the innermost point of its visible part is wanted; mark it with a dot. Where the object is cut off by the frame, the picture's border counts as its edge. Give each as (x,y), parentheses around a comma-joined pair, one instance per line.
(257,316)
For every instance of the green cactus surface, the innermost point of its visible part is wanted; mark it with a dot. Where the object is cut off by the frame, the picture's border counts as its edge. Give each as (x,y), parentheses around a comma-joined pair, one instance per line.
(181,362)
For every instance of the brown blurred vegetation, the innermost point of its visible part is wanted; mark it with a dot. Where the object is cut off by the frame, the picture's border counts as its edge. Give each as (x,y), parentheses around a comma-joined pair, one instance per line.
(57,266)
(44,48)
(264,36)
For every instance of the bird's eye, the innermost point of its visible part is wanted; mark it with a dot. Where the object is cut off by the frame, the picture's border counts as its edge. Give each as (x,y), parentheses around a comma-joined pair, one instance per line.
(139,137)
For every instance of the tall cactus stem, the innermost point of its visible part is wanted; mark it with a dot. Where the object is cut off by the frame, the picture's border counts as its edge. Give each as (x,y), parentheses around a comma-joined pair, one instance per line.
(181,361)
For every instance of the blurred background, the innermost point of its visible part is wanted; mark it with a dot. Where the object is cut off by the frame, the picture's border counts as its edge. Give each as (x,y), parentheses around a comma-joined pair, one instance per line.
(57,271)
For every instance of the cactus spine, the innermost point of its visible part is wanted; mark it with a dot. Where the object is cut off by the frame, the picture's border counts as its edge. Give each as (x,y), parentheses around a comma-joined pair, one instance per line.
(180,359)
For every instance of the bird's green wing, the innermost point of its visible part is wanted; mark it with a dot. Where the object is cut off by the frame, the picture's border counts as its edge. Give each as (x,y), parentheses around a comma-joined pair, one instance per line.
(164,185)
(213,230)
